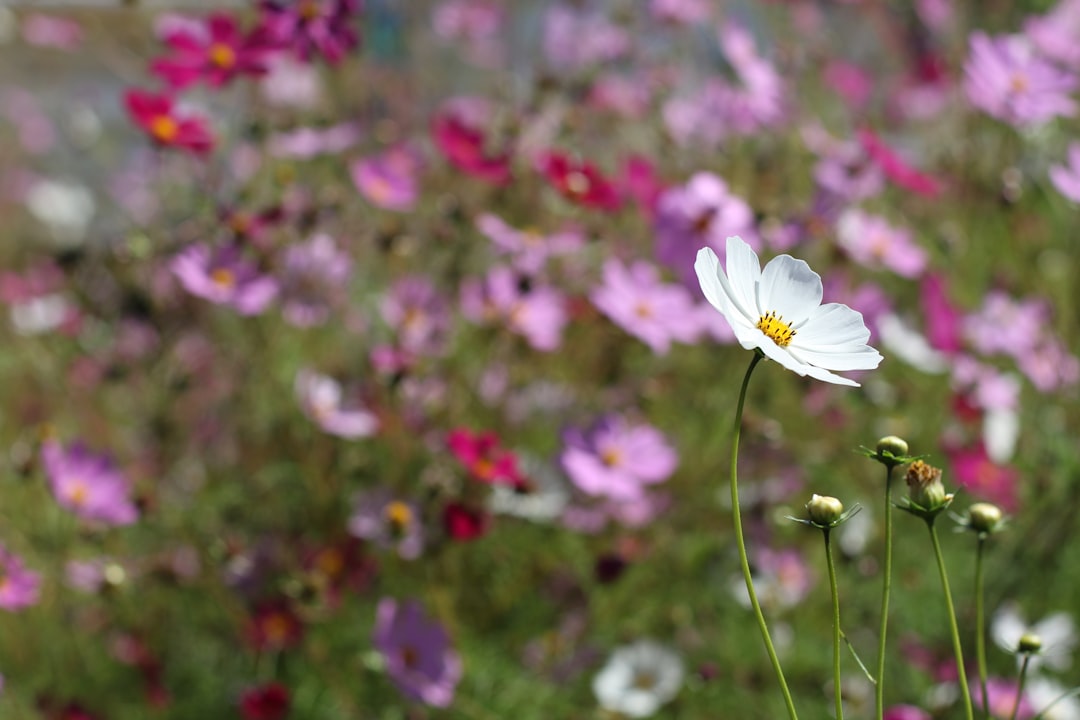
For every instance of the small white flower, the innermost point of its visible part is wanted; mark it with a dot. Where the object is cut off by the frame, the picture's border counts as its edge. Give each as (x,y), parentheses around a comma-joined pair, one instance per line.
(1057,632)
(638,679)
(1043,692)
(778,310)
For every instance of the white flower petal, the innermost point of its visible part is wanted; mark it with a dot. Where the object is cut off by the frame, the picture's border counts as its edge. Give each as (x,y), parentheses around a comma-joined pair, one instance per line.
(789,288)
(832,324)
(862,358)
(743,274)
(717,289)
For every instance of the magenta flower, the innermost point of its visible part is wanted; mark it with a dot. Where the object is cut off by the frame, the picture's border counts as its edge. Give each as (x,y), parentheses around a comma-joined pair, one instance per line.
(654,312)
(871,241)
(389,179)
(225,277)
(1066,177)
(906,712)
(158,117)
(215,52)
(983,478)
(943,320)
(388,522)
(701,212)
(321,398)
(1007,79)
(457,133)
(529,249)
(417,652)
(535,311)
(896,168)
(617,459)
(314,272)
(19,587)
(88,484)
(420,315)
(311,27)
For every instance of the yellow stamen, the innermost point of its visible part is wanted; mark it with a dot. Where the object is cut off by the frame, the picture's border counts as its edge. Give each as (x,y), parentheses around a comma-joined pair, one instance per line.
(223,278)
(399,515)
(222,56)
(78,493)
(164,129)
(773,325)
(1018,83)
(611,457)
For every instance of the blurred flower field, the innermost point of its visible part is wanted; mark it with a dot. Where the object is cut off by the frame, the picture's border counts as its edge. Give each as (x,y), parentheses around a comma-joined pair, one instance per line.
(380,359)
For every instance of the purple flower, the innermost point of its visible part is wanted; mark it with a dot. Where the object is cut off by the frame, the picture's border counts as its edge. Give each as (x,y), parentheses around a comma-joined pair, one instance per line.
(311,27)
(617,459)
(19,587)
(532,310)
(1007,79)
(313,272)
(388,522)
(871,241)
(320,398)
(225,277)
(576,39)
(1057,34)
(419,314)
(701,212)
(417,652)
(388,179)
(88,484)
(1066,178)
(656,313)
(844,167)
(528,248)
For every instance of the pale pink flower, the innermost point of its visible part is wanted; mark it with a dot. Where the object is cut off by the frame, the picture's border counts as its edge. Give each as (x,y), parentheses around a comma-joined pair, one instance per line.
(871,241)
(654,312)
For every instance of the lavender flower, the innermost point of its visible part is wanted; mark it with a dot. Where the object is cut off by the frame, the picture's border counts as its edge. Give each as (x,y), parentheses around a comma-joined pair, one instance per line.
(532,310)
(617,459)
(388,522)
(19,587)
(320,398)
(313,270)
(388,179)
(417,652)
(225,277)
(1066,177)
(528,248)
(419,313)
(1007,79)
(88,484)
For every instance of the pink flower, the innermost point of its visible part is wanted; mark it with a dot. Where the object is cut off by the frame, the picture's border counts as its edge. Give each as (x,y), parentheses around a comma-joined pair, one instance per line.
(896,169)
(418,313)
(225,277)
(1057,33)
(322,399)
(52,32)
(315,274)
(217,54)
(1007,79)
(88,484)
(157,116)
(871,241)
(617,459)
(388,179)
(983,478)
(19,587)
(1066,177)
(656,313)
(484,457)
(464,145)
(850,82)
(528,248)
(579,181)
(310,27)
(943,320)
(528,308)
(575,39)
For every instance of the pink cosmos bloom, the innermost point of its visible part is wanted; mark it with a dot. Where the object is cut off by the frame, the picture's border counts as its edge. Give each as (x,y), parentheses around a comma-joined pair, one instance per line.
(310,27)
(389,179)
(983,478)
(680,12)
(417,652)
(530,309)
(475,24)
(290,82)
(322,399)
(528,248)
(1008,80)
(624,95)
(19,587)
(314,273)
(88,484)
(576,39)
(52,32)
(986,387)
(1002,696)
(217,54)
(1006,326)
(759,102)
(388,522)
(640,182)
(485,459)
(158,117)
(308,142)
(701,212)
(456,132)
(1056,34)
(579,181)
(783,579)
(656,313)
(844,167)
(617,458)
(418,313)
(896,169)
(225,277)
(1050,366)
(871,241)
(850,82)
(1066,177)
(943,320)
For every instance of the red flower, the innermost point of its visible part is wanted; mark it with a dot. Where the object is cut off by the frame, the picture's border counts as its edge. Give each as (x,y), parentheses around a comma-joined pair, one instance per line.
(156,115)
(580,182)
(483,458)
(265,702)
(464,523)
(218,55)
(274,626)
(896,169)
(465,147)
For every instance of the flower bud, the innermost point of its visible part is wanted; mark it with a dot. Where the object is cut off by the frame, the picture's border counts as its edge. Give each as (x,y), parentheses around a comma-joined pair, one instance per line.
(824,510)
(1029,643)
(893,445)
(984,517)
(924,485)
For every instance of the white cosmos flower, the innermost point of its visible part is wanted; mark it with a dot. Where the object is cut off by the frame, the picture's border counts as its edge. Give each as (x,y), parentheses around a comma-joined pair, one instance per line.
(638,679)
(778,310)
(1057,632)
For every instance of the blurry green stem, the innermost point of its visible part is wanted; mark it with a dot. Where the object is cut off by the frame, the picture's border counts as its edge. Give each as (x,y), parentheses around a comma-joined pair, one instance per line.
(836,627)
(961,673)
(879,689)
(1020,686)
(980,625)
(743,559)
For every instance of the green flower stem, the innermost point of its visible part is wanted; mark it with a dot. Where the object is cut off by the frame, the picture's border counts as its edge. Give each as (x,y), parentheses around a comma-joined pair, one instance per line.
(886,586)
(961,673)
(980,625)
(836,627)
(743,559)
(1020,686)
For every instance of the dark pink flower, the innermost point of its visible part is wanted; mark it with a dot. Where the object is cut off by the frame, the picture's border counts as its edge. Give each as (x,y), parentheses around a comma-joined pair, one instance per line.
(265,702)
(983,478)
(217,53)
(310,27)
(896,169)
(580,181)
(943,320)
(484,457)
(465,146)
(158,117)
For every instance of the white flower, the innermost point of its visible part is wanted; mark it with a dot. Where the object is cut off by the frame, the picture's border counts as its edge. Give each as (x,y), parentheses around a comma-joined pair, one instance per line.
(1057,632)
(638,679)
(778,310)
(1043,693)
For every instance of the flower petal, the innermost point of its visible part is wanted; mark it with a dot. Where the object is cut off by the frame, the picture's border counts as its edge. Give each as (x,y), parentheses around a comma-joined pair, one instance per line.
(862,358)
(743,274)
(789,288)
(832,325)
(717,289)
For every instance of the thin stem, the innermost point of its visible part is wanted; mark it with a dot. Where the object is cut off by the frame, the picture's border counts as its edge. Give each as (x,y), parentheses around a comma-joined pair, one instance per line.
(957,650)
(836,627)
(741,543)
(980,625)
(1020,686)
(886,585)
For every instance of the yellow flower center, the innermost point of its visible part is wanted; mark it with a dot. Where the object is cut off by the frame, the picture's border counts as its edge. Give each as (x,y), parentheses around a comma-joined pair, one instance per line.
(164,129)
(775,328)
(222,56)
(78,493)
(643,310)
(577,183)
(308,10)
(610,457)
(644,680)
(398,515)
(1018,83)
(223,278)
